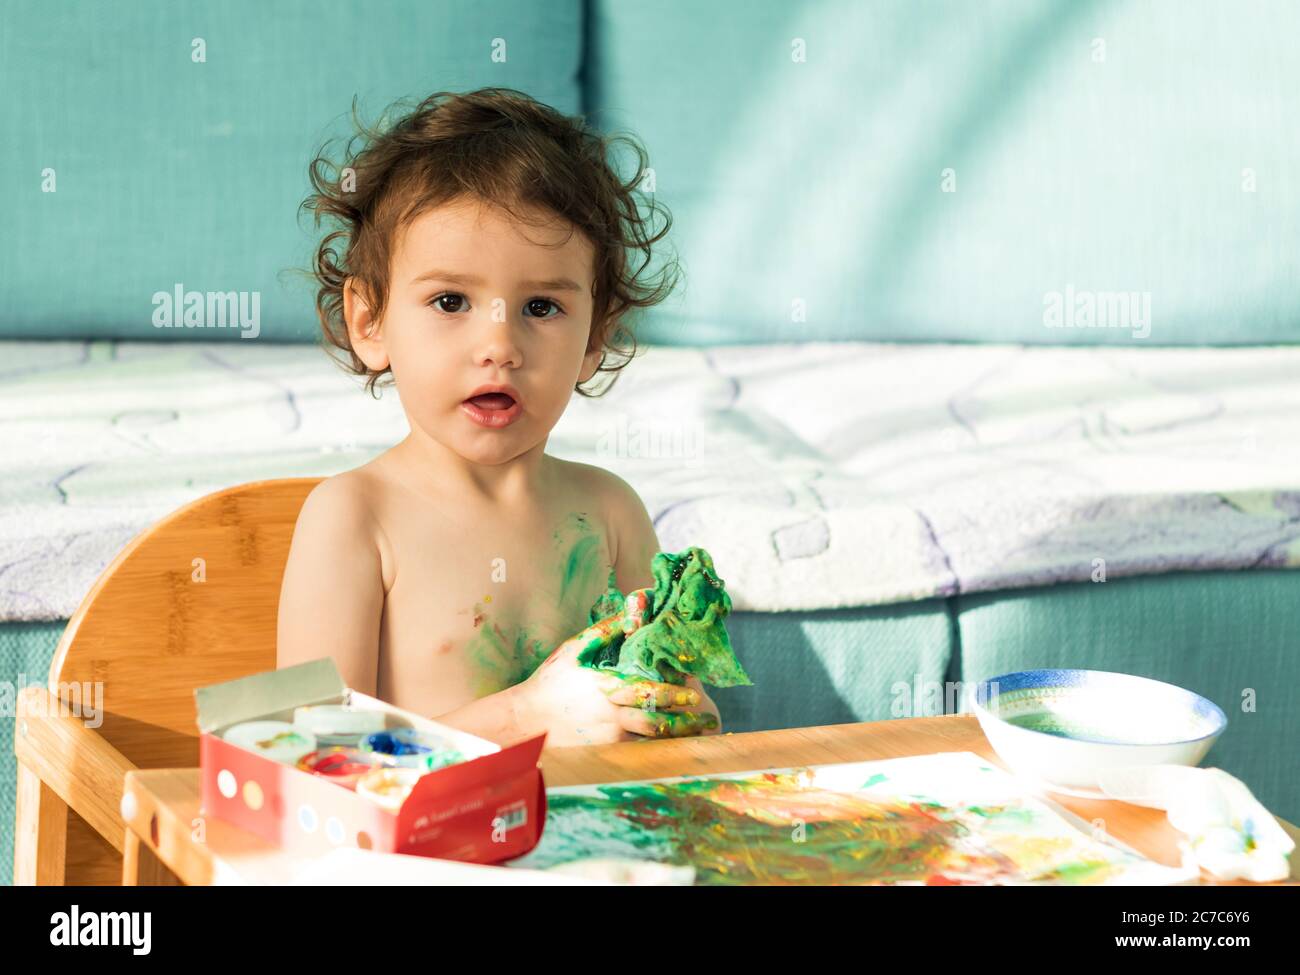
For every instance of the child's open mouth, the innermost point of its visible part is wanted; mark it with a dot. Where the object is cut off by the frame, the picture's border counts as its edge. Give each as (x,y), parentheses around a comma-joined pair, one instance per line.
(496,408)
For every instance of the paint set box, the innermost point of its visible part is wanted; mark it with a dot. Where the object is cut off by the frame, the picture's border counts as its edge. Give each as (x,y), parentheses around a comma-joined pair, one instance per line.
(488,805)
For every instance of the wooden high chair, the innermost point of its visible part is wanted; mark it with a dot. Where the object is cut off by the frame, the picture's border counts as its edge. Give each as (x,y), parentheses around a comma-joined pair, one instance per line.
(190,601)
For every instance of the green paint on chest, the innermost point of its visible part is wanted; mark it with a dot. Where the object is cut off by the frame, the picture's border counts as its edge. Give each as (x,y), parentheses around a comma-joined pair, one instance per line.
(582,566)
(503,657)
(505,654)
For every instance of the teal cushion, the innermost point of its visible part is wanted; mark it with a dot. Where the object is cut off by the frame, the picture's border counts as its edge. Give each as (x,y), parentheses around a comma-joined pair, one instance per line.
(837,665)
(26,650)
(1220,634)
(1093,152)
(170,172)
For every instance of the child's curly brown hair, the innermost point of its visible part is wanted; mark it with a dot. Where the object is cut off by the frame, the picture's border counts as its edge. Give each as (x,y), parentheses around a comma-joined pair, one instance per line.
(502,147)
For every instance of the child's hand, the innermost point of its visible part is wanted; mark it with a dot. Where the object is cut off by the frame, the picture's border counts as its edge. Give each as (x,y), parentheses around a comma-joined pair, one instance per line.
(710,717)
(670,710)
(676,712)
(579,705)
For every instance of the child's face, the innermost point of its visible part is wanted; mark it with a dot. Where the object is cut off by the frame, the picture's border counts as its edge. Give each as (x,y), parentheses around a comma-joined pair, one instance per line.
(472,302)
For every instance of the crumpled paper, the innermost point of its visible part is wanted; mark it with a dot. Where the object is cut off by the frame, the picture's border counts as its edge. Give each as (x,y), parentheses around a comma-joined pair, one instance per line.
(671,632)
(1226,830)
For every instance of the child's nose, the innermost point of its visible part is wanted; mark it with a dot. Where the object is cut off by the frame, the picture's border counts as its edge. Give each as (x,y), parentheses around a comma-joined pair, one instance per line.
(499,344)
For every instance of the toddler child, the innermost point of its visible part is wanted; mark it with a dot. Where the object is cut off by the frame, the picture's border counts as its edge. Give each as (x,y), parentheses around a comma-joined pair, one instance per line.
(483,256)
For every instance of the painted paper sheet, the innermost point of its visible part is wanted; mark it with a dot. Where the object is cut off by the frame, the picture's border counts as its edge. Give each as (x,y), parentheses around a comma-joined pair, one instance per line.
(948,818)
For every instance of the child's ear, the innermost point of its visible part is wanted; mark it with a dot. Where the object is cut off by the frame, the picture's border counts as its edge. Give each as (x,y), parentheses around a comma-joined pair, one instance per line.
(364,334)
(590,362)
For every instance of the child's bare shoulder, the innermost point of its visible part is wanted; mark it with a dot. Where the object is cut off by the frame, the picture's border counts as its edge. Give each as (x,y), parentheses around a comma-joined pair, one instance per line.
(340,516)
(609,491)
(631,532)
(345,500)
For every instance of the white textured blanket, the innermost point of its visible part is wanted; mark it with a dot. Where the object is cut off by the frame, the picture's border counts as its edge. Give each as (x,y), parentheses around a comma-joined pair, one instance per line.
(818,476)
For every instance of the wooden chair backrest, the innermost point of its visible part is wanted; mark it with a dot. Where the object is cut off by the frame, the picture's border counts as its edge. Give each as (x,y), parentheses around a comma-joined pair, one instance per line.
(190,601)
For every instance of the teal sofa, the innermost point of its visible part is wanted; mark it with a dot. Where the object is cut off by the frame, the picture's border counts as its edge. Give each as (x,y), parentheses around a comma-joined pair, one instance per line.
(903,172)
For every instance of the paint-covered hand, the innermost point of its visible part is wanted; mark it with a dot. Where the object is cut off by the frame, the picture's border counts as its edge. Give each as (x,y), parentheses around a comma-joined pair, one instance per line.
(577,705)
(636,610)
(674,711)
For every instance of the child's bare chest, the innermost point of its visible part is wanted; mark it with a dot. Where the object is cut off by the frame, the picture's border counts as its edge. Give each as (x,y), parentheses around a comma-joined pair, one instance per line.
(476,606)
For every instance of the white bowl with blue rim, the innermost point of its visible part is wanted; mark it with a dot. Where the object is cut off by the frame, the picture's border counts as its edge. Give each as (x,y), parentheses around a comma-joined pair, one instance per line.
(1064,727)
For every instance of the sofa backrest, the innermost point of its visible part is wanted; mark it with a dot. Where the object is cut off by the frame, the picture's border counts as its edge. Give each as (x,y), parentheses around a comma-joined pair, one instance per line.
(967,171)
(1056,171)
(175,138)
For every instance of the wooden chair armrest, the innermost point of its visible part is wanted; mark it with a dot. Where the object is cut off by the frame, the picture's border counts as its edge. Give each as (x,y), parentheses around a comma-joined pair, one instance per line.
(78,764)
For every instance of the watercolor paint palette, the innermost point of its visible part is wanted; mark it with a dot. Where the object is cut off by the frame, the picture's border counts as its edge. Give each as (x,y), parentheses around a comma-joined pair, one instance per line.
(487,807)
(947,818)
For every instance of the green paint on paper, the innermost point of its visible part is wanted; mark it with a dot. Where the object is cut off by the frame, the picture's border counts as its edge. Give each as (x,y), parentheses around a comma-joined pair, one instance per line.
(789,826)
(1085,871)
(743,831)
(1010,817)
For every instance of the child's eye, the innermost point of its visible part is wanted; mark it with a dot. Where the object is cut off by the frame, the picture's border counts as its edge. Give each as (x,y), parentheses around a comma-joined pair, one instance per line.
(535,303)
(439,302)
